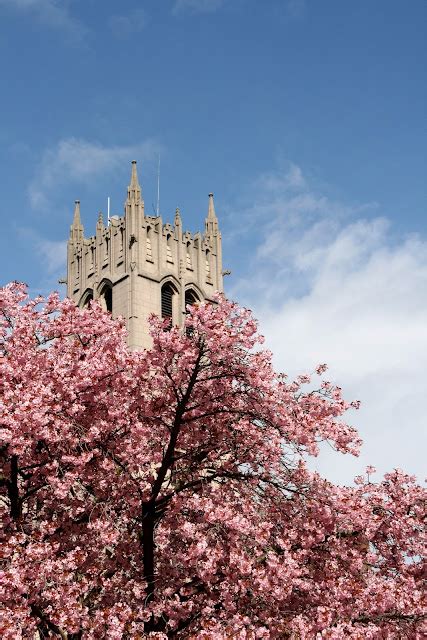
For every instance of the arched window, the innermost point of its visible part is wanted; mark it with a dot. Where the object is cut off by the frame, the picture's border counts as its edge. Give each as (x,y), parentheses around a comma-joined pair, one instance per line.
(167,302)
(86,299)
(106,298)
(191,298)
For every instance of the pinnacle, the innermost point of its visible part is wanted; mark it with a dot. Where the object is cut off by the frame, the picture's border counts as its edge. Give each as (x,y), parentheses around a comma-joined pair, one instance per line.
(77,220)
(211,209)
(134,184)
(134,189)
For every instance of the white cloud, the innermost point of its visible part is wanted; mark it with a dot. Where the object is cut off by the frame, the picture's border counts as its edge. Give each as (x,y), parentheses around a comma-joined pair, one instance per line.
(126,24)
(51,13)
(79,161)
(53,254)
(331,286)
(198,6)
(279,181)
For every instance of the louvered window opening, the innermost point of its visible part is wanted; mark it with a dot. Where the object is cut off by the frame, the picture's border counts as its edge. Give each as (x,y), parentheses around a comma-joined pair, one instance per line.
(167,295)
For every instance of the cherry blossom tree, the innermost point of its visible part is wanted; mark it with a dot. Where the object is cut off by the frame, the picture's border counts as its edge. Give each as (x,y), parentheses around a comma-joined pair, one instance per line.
(166,493)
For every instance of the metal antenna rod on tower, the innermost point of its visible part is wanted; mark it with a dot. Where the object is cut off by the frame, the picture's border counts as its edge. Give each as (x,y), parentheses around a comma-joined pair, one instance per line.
(158,188)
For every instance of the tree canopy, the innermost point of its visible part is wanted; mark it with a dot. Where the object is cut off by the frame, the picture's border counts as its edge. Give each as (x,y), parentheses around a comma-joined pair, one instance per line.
(166,493)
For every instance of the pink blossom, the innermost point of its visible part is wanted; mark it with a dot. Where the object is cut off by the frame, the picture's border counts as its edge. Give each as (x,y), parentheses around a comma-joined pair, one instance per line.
(166,493)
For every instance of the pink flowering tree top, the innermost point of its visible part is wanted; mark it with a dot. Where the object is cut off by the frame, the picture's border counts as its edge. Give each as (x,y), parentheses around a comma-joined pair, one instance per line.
(165,493)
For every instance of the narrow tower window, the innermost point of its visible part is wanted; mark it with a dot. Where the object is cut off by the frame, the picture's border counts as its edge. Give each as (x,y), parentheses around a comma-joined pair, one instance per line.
(167,303)
(168,248)
(208,264)
(149,248)
(188,256)
(92,257)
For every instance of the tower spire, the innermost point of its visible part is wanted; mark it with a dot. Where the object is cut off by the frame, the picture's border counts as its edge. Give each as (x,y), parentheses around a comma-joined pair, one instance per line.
(77,220)
(76,229)
(211,208)
(211,223)
(134,188)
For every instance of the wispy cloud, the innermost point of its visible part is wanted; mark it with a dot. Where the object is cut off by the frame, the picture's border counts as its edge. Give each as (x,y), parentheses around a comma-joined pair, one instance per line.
(197,6)
(79,161)
(51,13)
(53,254)
(293,8)
(125,24)
(331,283)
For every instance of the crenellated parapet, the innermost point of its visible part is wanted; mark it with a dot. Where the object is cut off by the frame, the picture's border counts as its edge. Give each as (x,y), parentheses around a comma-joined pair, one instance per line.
(137,265)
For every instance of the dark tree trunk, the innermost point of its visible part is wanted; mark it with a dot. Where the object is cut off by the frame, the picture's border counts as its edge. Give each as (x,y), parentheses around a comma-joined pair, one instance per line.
(13,490)
(148,546)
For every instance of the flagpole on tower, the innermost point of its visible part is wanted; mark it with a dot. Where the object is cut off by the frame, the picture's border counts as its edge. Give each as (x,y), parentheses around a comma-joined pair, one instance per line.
(158,188)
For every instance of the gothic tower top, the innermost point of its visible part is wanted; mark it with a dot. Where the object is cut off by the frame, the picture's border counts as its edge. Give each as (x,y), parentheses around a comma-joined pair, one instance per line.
(136,265)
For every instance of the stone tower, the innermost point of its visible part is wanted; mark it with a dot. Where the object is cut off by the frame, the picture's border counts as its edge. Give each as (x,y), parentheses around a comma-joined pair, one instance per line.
(136,265)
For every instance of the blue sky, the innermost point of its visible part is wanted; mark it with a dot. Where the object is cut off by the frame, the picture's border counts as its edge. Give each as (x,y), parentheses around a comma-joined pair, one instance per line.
(308,121)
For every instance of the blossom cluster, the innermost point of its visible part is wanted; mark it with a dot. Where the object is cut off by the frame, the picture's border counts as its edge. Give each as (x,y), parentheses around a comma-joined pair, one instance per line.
(165,493)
